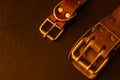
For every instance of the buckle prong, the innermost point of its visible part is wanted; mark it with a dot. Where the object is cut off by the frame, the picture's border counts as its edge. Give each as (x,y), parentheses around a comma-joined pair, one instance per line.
(90,65)
(87,68)
(84,50)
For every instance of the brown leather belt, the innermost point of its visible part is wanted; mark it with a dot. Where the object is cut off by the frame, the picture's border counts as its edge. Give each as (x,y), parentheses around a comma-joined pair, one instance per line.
(53,26)
(91,52)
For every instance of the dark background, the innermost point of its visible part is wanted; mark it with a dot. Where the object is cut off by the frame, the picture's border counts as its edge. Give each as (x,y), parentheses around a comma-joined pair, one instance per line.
(25,55)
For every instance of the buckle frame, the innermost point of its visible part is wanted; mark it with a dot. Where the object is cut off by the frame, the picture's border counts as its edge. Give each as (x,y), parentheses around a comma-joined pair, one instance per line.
(90,57)
(46,33)
(80,63)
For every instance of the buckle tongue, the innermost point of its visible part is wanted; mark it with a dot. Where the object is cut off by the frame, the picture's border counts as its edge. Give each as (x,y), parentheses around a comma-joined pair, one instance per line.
(90,54)
(64,11)
(50,29)
(87,57)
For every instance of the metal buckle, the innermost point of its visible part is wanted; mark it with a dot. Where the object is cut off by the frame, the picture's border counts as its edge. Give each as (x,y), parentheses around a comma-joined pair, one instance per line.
(53,30)
(87,57)
(50,29)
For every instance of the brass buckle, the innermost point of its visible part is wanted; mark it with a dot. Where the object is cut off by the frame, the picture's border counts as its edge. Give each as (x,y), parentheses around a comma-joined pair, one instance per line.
(50,29)
(87,57)
(53,30)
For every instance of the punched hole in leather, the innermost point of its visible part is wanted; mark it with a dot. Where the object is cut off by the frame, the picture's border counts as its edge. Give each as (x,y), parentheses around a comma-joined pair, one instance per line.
(91,52)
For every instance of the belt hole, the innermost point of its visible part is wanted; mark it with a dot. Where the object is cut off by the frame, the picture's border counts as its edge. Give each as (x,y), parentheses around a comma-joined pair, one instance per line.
(93,38)
(104,47)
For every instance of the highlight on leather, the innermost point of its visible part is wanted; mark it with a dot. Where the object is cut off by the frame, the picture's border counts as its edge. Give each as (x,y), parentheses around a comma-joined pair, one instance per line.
(91,52)
(62,12)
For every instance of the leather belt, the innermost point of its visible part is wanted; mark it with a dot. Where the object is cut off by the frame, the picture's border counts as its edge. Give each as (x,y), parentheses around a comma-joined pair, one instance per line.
(91,52)
(53,26)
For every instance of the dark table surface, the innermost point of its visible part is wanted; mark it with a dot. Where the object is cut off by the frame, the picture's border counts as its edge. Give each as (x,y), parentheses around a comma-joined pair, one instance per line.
(26,55)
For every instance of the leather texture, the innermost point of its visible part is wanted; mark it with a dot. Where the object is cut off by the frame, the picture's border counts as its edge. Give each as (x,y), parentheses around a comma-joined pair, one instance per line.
(26,55)
(62,13)
(68,6)
(113,22)
(92,51)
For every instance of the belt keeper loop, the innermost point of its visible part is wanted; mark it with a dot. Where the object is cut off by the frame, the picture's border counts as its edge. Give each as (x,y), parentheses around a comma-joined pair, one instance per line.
(60,17)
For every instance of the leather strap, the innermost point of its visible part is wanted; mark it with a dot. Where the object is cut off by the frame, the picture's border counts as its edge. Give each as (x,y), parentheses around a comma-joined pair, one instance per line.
(112,25)
(62,12)
(91,52)
(112,22)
